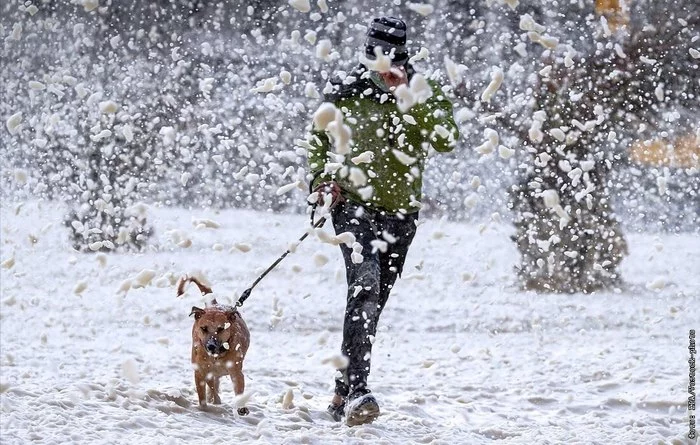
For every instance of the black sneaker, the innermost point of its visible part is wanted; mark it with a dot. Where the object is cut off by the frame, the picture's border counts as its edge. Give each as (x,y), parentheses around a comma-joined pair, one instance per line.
(337,412)
(361,409)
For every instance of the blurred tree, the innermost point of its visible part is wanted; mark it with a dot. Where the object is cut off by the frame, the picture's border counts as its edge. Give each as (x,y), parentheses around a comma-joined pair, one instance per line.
(566,231)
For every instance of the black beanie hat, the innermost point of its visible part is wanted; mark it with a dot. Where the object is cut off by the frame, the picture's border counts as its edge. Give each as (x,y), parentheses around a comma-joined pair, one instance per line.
(390,34)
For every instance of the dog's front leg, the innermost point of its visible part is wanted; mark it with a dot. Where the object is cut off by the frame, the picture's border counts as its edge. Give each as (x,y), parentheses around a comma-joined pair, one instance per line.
(239,387)
(214,390)
(200,384)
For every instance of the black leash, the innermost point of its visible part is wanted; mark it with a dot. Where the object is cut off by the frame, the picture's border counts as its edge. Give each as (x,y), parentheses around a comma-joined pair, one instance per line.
(247,292)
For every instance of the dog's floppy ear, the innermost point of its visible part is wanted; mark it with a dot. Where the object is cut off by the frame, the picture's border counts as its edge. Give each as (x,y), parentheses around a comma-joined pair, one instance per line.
(197,312)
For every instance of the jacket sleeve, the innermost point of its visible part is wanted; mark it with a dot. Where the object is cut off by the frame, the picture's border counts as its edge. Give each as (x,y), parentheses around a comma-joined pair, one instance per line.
(317,155)
(435,117)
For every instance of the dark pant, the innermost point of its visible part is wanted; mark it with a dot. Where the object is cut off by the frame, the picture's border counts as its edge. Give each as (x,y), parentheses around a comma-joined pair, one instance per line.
(369,282)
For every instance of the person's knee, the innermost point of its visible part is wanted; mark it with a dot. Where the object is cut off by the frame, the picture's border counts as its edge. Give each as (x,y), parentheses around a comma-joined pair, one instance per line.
(365,279)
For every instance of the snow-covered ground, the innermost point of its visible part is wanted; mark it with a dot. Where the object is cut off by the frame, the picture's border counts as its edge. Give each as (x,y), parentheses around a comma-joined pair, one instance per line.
(463,356)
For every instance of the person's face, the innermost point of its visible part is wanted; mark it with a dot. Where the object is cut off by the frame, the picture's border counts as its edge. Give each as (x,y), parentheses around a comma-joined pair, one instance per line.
(395,77)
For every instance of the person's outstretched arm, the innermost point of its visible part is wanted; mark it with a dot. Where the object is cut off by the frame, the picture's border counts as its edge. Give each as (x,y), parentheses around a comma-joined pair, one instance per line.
(436,119)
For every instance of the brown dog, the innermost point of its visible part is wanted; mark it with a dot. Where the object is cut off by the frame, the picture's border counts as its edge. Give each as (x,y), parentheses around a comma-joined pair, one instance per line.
(220,340)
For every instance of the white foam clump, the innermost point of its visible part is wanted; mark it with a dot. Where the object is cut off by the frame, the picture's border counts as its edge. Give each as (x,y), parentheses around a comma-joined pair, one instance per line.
(325,237)
(422,54)
(442,131)
(90,5)
(337,361)
(104,134)
(661,183)
(356,255)
(242,247)
(203,223)
(381,63)
(491,142)
(575,176)
(323,50)
(417,92)
(558,134)
(108,107)
(21,176)
(101,259)
(454,71)
(388,237)
(328,117)
(8,263)
(266,85)
(527,23)
(494,85)
(366,193)
(124,287)
(288,399)
(535,132)
(80,287)
(300,5)
(587,165)
(409,119)
(143,278)
(357,176)
(324,115)
(130,371)
(184,178)
(347,238)
(545,40)
(505,152)
(168,133)
(550,198)
(552,201)
(287,188)
(127,132)
(657,284)
(35,85)
(569,57)
(97,245)
(13,122)
(659,92)
(694,53)
(363,158)
(464,114)
(243,399)
(379,245)
(311,91)
(471,200)
(424,9)
(320,259)
(16,33)
(403,157)
(286,77)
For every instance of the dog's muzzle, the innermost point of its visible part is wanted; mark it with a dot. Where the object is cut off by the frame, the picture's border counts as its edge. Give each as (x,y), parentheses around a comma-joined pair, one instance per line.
(215,348)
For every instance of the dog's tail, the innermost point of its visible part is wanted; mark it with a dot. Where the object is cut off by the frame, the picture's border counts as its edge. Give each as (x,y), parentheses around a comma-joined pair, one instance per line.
(203,288)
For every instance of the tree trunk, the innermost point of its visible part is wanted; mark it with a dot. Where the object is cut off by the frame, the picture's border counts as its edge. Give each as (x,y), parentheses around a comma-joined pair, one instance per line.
(566,232)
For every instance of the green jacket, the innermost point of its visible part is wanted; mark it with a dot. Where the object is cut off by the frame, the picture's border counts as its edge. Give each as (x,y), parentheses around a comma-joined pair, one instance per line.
(382,129)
